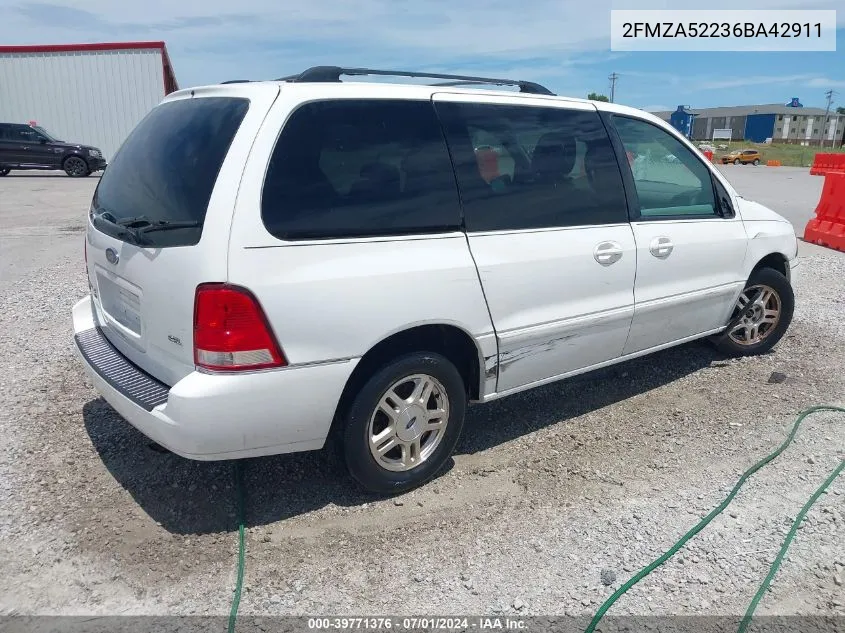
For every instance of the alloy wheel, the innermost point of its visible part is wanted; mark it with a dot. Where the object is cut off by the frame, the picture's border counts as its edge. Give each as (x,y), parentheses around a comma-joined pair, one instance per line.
(759,317)
(408,423)
(75,166)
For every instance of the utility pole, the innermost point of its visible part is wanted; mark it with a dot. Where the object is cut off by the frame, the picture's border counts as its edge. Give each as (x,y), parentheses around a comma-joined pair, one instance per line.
(613,77)
(829,95)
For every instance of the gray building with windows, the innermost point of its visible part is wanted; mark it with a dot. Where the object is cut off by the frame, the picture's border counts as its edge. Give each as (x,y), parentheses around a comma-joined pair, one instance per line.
(757,123)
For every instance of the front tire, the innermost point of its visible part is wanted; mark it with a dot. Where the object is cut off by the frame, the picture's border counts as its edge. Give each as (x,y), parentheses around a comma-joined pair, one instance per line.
(404,423)
(76,167)
(736,161)
(4,171)
(764,321)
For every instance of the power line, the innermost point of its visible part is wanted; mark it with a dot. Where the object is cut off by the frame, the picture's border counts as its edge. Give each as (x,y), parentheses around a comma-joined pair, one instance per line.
(829,96)
(613,77)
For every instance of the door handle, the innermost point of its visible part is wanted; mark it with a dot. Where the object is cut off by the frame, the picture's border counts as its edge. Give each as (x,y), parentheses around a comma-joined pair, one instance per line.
(607,253)
(661,247)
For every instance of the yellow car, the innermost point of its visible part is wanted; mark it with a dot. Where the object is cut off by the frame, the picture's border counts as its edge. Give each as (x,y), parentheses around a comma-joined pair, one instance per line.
(743,156)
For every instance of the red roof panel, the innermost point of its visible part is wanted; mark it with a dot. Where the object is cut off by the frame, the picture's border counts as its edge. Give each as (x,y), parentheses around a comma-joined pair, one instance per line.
(72,48)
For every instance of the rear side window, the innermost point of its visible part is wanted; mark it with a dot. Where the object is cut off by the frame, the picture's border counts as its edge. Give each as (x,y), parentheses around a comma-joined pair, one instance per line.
(359,168)
(18,133)
(166,169)
(525,167)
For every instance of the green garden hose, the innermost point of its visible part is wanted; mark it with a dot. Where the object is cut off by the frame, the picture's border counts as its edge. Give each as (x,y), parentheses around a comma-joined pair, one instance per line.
(236,599)
(746,620)
(645,571)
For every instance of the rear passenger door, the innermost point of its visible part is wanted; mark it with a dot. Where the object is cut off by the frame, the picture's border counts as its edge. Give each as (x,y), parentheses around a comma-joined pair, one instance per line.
(690,244)
(546,220)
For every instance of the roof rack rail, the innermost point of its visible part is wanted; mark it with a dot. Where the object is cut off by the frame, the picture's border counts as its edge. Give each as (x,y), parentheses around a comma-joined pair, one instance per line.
(236,81)
(333,73)
(446,84)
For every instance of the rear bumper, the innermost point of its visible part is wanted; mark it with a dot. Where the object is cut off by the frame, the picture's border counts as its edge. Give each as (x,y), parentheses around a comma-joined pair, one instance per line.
(215,416)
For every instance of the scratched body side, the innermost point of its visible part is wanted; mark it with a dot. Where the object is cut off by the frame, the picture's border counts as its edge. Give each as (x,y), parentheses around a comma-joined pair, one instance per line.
(554,307)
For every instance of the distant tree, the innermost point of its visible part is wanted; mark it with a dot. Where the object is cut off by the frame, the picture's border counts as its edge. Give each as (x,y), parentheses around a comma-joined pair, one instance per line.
(594,96)
(840,110)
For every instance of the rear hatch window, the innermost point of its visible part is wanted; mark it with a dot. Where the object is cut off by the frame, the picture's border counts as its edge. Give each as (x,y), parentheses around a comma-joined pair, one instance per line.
(156,190)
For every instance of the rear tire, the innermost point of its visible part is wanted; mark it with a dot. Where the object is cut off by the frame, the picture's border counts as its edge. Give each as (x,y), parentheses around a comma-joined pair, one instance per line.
(765,321)
(76,167)
(5,171)
(401,428)
(756,161)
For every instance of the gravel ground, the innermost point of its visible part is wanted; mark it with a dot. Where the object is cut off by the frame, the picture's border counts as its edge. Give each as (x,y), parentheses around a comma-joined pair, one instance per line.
(555,496)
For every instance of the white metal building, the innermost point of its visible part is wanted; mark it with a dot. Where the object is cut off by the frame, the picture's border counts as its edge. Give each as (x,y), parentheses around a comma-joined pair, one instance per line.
(85,93)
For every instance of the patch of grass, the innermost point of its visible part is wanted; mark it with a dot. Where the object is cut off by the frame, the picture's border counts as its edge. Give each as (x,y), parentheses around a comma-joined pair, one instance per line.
(789,155)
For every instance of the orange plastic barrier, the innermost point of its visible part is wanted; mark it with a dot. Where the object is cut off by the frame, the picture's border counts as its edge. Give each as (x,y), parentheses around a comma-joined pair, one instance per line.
(827,163)
(773,163)
(708,154)
(828,227)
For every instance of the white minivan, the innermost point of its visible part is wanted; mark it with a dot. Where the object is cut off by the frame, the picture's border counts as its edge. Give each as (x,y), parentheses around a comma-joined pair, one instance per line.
(275,263)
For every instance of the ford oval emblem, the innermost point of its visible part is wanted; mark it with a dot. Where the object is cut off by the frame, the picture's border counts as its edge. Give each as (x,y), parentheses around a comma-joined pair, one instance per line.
(111,255)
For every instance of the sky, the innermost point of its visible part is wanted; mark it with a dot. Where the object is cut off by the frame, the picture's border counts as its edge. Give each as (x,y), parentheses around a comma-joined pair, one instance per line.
(563,44)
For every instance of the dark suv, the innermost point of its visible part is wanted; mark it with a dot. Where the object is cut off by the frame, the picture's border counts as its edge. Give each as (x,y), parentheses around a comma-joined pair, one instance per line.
(31,147)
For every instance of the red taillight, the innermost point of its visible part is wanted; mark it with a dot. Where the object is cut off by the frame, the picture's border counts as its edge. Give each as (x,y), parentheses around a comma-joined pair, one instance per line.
(231,332)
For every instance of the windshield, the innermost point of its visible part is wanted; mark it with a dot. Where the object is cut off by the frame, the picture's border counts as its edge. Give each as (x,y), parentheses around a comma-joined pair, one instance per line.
(164,173)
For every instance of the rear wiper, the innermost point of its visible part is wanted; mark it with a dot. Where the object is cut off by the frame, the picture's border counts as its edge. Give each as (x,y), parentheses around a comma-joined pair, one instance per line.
(165,225)
(143,224)
(134,222)
(123,230)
